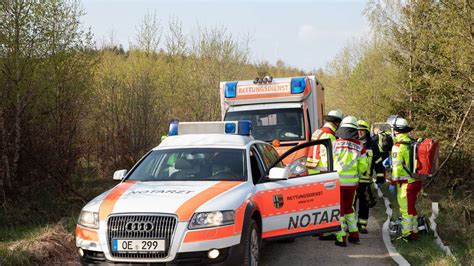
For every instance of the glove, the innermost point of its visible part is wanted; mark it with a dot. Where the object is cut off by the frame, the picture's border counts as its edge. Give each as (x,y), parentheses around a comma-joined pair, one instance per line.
(391,188)
(387,163)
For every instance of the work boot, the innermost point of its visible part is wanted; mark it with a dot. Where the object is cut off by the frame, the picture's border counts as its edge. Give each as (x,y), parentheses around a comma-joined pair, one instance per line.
(363,229)
(330,237)
(340,244)
(353,240)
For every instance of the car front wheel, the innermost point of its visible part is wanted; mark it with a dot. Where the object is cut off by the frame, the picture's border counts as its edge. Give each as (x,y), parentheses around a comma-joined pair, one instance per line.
(251,245)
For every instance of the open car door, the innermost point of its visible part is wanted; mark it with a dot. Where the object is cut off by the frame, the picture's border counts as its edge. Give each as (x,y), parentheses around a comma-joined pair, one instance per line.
(302,205)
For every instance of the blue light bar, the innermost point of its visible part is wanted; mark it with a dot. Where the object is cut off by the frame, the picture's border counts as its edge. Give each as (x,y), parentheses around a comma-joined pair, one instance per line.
(230,128)
(245,127)
(230,89)
(298,85)
(173,130)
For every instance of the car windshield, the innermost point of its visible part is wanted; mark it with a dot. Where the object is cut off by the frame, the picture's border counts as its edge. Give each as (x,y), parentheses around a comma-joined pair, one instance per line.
(268,125)
(197,164)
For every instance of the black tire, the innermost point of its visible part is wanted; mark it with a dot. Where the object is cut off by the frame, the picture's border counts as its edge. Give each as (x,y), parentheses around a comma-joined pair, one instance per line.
(251,244)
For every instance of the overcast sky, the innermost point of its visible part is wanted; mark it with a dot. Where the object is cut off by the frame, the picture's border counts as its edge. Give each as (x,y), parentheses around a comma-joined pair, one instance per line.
(306,35)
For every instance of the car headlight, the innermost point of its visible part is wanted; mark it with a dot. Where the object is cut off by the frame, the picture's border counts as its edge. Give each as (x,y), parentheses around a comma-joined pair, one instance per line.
(89,219)
(211,219)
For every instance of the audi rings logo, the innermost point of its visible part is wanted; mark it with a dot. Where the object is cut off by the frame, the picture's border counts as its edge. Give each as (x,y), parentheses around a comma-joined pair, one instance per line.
(139,226)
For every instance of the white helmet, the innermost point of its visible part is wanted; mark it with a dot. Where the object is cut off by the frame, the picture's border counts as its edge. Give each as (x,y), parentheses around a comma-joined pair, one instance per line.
(334,116)
(401,125)
(349,121)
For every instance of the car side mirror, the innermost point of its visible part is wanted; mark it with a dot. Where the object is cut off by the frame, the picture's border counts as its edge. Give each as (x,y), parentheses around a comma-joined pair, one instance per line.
(120,174)
(278,173)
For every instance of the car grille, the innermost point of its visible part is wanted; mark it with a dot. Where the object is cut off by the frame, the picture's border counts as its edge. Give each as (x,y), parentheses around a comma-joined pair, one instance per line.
(163,228)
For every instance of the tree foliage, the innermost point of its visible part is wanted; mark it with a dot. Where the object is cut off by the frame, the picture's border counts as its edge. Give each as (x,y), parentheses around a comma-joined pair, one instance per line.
(46,63)
(417,63)
(70,112)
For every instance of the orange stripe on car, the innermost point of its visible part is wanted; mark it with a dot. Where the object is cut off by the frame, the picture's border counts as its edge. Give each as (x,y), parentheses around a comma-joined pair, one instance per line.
(109,202)
(285,231)
(209,234)
(300,197)
(86,234)
(186,210)
(219,232)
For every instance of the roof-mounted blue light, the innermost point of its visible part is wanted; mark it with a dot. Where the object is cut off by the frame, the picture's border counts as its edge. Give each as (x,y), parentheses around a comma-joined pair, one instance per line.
(245,127)
(230,128)
(173,130)
(230,89)
(298,85)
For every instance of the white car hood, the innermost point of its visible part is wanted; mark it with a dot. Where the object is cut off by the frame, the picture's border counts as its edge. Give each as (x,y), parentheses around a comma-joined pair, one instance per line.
(173,197)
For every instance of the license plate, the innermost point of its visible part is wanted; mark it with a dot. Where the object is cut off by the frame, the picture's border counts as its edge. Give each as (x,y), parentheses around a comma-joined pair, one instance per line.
(135,245)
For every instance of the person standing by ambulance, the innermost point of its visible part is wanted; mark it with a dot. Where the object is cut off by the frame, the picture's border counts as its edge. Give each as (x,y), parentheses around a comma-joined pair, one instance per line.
(350,161)
(317,160)
(364,192)
(407,184)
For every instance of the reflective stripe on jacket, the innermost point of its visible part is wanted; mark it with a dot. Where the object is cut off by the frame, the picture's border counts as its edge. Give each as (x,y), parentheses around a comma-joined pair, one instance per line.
(350,160)
(317,160)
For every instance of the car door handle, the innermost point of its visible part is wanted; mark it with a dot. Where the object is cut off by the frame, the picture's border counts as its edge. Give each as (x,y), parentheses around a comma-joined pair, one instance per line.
(330,185)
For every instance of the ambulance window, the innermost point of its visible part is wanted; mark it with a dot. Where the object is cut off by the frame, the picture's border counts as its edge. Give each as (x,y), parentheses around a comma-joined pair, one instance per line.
(269,155)
(283,124)
(255,166)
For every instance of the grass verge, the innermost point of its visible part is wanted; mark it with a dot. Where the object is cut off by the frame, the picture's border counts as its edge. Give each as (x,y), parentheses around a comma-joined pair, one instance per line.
(456,228)
(48,245)
(27,237)
(421,252)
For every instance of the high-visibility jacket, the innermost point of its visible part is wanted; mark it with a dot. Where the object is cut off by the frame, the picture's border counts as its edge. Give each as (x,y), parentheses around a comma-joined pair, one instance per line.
(317,159)
(366,177)
(401,159)
(350,161)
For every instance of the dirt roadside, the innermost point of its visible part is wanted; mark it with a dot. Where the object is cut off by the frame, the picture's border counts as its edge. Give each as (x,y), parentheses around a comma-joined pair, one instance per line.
(56,247)
(311,251)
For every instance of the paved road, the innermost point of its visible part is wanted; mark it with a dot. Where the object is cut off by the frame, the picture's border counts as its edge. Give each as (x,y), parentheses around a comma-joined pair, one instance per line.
(311,251)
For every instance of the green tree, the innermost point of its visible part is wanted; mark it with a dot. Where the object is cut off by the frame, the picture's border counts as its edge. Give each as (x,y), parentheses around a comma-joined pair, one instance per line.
(46,61)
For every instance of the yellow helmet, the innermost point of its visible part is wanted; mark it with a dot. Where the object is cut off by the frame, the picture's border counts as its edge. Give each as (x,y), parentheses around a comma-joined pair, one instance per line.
(362,125)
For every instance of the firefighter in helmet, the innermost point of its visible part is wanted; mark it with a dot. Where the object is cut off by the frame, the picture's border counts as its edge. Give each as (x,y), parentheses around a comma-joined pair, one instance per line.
(408,185)
(364,197)
(317,160)
(350,161)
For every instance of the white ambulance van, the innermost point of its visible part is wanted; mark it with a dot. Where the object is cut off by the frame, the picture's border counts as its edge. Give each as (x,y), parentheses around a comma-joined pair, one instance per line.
(284,111)
(208,194)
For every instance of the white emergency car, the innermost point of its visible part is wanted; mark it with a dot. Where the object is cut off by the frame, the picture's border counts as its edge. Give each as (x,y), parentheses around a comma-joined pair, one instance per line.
(209,193)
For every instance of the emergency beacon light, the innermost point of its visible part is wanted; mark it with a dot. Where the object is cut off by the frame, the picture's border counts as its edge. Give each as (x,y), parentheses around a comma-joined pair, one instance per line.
(243,128)
(230,89)
(298,85)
